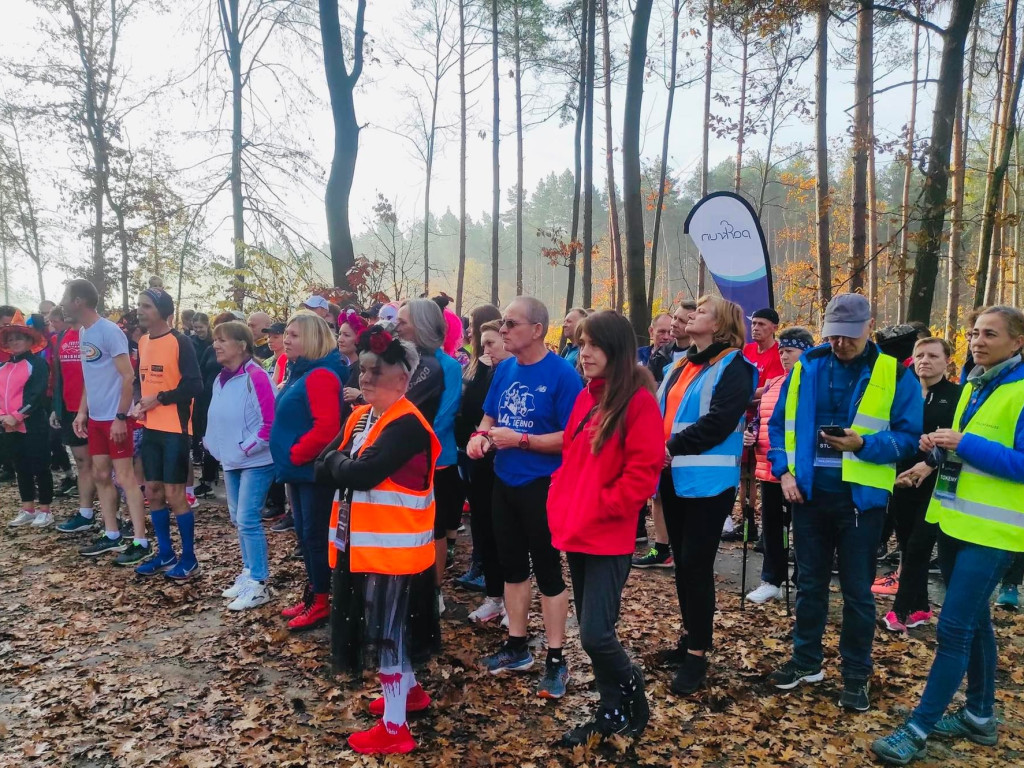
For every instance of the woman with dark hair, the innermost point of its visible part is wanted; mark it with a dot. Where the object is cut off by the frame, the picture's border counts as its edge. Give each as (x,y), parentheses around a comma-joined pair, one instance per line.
(384,463)
(611,457)
(704,399)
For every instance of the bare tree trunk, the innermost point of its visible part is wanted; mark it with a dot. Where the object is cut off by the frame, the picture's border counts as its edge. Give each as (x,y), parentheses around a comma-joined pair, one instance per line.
(570,291)
(664,157)
(988,256)
(872,247)
(743,111)
(1015,268)
(961,129)
(908,172)
(936,184)
(614,240)
(518,76)
(709,42)
(863,85)
(588,157)
(821,153)
(639,315)
(341,85)
(460,283)
(495,145)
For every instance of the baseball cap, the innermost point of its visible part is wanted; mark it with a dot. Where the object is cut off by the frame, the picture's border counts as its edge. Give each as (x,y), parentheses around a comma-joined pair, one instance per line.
(316,302)
(276,328)
(848,314)
(768,314)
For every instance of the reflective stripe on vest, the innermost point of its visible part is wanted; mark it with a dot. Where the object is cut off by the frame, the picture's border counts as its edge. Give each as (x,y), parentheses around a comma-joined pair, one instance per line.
(719,466)
(872,416)
(391,528)
(987,510)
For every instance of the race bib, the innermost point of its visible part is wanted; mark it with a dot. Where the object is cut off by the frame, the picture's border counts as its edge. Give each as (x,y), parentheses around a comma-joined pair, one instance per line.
(949,477)
(825,455)
(341,529)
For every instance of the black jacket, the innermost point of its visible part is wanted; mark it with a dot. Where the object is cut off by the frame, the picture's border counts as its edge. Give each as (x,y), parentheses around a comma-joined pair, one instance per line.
(661,357)
(398,443)
(471,409)
(730,401)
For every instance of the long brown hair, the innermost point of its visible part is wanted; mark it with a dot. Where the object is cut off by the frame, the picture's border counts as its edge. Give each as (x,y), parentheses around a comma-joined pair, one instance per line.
(480,315)
(613,335)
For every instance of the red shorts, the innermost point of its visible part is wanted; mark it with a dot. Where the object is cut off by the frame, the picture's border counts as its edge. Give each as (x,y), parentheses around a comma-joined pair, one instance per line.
(100,443)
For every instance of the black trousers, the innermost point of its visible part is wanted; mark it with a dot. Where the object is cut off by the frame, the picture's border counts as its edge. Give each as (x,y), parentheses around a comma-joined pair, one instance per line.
(774,568)
(59,460)
(31,453)
(917,540)
(597,584)
(479,490)
(694,529)
(1015,573)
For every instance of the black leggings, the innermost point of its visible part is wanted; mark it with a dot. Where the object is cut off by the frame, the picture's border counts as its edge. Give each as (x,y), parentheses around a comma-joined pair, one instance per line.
(485,546)
(917,539)
(775,567)
(31,453)
(694,528)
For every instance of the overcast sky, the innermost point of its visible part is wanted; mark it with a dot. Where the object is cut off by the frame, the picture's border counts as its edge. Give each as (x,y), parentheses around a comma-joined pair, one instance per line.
(157,44)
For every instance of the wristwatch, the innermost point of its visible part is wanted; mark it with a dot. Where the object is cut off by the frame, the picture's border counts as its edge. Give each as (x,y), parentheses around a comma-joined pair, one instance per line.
(524,442)
(121,416)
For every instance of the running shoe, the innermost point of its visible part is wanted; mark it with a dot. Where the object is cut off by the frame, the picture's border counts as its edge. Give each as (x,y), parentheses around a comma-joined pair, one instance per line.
(253,595)
(133,554)
(236,589)
(24,518)
(43,520)
(960,725)
(554,682)
(75,524)
(790,675)
(855,695)
(917,618)
(159,563)
(1008,597)
(286,523)
(183,571)
(67,484)
(900,747)
(193,502)
(656,557)
(764,593)
(893,624)
(490,609)
(886,585)
(104,544)
(507,659)
(378,740)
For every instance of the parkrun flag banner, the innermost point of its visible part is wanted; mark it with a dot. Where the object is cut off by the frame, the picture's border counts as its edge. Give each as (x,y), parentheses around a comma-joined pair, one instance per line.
(725,229)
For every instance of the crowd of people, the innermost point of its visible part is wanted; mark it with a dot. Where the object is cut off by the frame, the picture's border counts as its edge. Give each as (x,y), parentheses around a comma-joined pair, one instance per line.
(377,428)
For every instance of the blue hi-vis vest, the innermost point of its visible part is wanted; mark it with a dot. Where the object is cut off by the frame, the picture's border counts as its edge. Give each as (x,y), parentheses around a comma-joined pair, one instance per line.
(716,470)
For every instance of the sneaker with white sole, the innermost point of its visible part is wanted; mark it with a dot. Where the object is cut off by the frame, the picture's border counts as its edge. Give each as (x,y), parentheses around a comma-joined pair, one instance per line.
(253,594)
(43,520)
(764,593)
(440,603)
(490,609)
(24,518)
(236,589)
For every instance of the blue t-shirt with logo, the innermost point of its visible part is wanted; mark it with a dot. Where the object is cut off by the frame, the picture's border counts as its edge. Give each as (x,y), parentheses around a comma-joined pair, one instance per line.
(536,399)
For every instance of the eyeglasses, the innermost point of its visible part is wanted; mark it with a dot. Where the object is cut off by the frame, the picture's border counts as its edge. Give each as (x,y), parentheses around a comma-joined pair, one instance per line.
(510,324)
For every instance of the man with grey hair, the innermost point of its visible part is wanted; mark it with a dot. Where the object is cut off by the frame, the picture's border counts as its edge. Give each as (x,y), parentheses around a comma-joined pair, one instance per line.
(527,407)
(258,322)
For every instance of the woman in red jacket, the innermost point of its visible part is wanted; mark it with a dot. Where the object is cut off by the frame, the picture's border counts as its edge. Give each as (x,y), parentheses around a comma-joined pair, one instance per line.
(612,453)
(793,342)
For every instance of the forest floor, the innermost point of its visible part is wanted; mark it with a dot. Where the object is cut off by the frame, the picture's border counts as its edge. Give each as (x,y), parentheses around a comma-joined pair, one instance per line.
(98,668)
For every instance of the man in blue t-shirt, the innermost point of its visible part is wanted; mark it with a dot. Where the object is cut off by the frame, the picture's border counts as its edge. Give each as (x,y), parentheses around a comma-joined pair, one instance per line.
(528,404)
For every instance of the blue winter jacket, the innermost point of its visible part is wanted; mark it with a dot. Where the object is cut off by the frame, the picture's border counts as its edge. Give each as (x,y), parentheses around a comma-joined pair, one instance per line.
(890,446)
(292,416)
(451,397)
(997,459)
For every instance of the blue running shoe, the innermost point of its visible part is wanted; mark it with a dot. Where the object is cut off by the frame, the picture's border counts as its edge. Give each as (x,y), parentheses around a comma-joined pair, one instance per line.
(158,563)
(76,523)
(1008,598)
(183,571)
(556,678)
(508,659)
(900,747)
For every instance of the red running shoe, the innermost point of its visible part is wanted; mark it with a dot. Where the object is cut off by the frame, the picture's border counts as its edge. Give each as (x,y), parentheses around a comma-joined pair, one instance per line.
(886,585)
(316,614)
(380,741)
(299,607)
(418,701)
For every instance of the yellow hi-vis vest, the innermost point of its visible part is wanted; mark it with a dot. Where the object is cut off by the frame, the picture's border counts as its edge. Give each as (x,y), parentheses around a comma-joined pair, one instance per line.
(873,415)
(986,510)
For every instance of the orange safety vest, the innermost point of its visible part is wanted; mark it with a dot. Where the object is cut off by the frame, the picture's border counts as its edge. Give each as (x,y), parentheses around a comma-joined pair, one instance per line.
(391,527)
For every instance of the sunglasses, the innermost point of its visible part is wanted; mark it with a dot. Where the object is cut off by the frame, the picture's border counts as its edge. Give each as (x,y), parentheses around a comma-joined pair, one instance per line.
(510,324)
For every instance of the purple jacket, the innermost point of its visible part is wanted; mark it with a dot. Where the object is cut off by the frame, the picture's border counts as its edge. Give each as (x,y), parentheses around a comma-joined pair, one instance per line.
(241,413)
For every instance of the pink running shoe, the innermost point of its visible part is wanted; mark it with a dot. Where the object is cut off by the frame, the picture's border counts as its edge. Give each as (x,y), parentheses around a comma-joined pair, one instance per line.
(893,624)
(917,618)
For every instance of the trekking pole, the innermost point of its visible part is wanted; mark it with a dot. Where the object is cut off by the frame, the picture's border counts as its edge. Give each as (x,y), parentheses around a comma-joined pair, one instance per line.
(787,516)
(748,514)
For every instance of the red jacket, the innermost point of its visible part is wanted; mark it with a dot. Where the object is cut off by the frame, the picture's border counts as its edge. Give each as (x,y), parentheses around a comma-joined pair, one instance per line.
(594,501)
(769,399)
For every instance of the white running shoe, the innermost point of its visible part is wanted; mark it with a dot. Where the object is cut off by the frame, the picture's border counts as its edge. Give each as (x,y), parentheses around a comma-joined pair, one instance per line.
(43,519)
(23,518)
(253,594)
(440,604)
(490,609)
(236,589)
(764,593)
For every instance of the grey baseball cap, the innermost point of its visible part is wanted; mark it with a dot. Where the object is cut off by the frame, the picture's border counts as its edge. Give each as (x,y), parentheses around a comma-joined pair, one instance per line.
(848,314)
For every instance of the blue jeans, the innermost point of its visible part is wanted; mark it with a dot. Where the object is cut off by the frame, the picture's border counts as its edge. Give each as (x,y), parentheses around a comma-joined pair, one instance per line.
(826,525)
(247,493)
(966,640)
(311,508)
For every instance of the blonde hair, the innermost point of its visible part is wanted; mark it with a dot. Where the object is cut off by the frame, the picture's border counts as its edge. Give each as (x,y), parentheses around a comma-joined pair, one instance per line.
(235,330)
(729,317)
(317,339)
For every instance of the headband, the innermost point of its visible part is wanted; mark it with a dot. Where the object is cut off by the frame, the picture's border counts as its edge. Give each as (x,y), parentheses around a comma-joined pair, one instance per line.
(796,343)
(383,345)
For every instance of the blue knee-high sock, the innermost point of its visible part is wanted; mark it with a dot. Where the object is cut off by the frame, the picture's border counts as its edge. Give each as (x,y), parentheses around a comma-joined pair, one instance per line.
(162,525)
(187,529)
